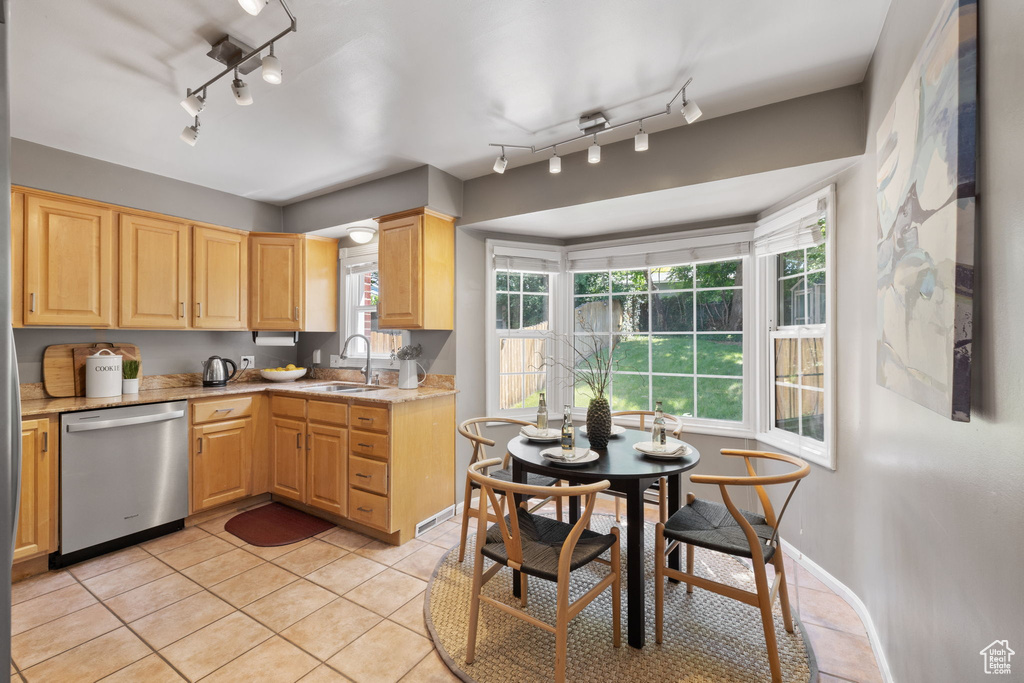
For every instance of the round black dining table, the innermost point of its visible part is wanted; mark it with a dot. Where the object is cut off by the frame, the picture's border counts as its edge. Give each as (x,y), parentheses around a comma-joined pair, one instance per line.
(630,473)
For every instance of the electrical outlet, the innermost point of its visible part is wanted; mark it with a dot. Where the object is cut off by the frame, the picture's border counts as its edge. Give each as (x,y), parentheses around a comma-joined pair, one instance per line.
(247,362)
(335,360)
(316,356)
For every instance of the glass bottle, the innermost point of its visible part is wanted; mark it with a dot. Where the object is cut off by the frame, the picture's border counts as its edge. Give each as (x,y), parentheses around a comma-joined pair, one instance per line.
(658,436)
(568,433)
(542,413)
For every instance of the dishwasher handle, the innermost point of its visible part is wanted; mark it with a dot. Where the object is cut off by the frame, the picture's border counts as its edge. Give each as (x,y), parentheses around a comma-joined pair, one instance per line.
(125,421)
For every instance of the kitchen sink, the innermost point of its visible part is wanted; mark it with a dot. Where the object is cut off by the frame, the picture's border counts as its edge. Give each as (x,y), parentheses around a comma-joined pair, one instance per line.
(340,389)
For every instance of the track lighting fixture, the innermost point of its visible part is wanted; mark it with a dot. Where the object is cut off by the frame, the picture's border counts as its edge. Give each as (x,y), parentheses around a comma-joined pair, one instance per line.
(640,139)
(271,68)
(253,7)
(589,123)
(241,91)
(501,162)
(190,134)
(194,103)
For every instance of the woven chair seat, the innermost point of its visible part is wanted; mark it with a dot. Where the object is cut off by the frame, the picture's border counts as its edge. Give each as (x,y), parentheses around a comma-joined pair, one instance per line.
(710,525)
(506,475)
(542,539)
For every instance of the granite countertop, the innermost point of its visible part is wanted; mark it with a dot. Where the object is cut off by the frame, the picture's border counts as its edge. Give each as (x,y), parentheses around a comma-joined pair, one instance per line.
(385,394)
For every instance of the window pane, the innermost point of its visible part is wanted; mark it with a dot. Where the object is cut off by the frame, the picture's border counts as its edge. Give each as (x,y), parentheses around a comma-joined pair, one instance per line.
(813,418)
(630,392)
(720,274)
(501,282)
(511,392)
(672,277)
(515,281)
(672,353)
(590,283)
(590,348)
(535,383)
(514,311)
(629,281)
(720,354)
(812,357)
(501,312)
(510,356)
(675,394)
(787,409)
(535,312)
(535,282)
(534,354)
(629,313)
(383,343)
(590,314)
(720,310)
(581,395)
(791,301)
(720,399)
(816,298)
(631,354)
(786,361)
(367,284)
(816,258)
(791,263)
(672,312)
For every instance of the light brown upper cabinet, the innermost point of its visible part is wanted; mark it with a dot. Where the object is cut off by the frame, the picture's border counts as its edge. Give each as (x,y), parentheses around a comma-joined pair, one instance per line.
(220,278)
(154,273)
(293,282)
(416,267)
(17,259)
(69,262)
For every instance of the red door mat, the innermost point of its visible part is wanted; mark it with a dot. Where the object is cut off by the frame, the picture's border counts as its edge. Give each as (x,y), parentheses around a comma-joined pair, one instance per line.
(275,524)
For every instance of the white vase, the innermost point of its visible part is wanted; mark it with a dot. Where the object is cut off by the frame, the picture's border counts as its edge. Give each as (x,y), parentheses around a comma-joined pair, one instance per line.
(407,377)
(130,386)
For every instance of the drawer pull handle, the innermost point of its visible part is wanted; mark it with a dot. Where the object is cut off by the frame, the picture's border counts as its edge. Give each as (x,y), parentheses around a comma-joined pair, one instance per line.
(368,419)
(366,445)
(298,440)
(365,509)
(32,303)
(364,476)
(223,410)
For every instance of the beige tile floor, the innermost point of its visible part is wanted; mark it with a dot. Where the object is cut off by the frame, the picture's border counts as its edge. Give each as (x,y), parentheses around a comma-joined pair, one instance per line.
(202,605)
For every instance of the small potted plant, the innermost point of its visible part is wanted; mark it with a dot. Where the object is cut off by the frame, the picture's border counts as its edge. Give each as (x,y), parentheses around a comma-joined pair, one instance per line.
(130,377)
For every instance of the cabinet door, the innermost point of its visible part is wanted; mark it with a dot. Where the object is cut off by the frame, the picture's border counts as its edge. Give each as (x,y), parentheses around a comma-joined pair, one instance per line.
(17,259)
(154,273)
(69,263)
(288,459)
(275,284)
(37,484)
(400,270)
(221,463)
(328,465)
(220,279)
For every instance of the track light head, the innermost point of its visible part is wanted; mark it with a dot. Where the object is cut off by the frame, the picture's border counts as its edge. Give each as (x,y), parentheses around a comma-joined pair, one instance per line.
(691,112)
(501,163)
(594,152)
(253,7)
(191,134)
(271,68)
(555,164)
(241,91)
(640,140)
(194,103)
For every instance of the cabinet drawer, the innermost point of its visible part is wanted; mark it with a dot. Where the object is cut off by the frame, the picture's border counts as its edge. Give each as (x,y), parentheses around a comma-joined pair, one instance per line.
(325,411)
(368,508)
(369,417)
(285,406)
(368,444)
(221,409)
(371,475)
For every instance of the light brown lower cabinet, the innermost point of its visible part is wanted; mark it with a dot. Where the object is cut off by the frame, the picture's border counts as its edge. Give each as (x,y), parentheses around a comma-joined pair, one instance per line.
(309,452)
(221,451)
(37,512)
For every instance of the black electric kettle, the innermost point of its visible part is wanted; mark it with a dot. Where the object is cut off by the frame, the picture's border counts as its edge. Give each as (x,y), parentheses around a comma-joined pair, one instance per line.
(215,371)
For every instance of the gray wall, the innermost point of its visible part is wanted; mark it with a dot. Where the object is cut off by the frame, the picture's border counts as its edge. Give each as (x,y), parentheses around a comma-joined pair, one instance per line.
(46,168)
(922,518)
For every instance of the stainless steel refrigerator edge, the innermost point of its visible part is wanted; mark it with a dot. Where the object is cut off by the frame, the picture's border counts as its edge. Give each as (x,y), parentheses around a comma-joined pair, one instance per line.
(10,398)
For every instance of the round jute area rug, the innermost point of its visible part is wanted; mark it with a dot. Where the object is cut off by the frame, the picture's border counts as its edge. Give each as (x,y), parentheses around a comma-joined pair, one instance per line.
(708,637)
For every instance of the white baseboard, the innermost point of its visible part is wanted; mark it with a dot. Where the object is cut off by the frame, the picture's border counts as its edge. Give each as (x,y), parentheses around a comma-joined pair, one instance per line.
(840,589)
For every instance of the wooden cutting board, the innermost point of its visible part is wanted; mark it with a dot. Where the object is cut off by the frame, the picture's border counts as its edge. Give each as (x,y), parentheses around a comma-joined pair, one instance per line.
(60,378)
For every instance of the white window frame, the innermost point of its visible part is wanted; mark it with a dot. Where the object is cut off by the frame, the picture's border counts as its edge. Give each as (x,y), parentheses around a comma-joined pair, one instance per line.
(819,452)
(355,261)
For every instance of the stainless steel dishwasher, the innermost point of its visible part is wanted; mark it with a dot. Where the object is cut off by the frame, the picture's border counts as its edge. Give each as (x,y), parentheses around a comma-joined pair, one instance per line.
(124,477)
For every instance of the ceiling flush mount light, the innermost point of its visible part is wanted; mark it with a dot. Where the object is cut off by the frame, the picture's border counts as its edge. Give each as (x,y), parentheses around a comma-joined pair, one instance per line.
(361,234)
(191,134)
(253,7)
(238,58)
(591,123)
(272,68)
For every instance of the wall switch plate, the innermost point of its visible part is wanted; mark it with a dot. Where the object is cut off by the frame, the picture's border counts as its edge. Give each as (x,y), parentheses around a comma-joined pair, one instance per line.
(316,356)
(247,362)
(335,360)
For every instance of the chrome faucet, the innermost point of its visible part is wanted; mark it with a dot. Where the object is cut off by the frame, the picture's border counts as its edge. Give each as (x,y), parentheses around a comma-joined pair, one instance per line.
(344,353)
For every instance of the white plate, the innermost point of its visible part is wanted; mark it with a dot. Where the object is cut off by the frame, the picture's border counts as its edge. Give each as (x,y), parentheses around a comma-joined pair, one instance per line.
(533,434)
(590,456)
(647,448)
(616,430)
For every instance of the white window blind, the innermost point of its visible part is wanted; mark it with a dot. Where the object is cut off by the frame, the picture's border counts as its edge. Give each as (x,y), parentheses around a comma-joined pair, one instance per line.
(797,228)
(526,260)
(651,257)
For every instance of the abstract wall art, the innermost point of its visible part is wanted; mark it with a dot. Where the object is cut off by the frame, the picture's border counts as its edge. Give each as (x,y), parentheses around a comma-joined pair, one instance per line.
(926,151)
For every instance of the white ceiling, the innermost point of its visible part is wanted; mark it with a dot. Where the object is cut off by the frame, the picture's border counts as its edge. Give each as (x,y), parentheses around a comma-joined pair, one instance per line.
(375,87)
(691,204)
